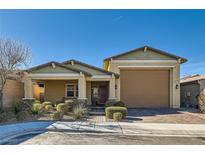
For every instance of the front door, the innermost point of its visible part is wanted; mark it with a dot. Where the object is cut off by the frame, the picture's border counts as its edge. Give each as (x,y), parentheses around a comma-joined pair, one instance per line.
(99,95)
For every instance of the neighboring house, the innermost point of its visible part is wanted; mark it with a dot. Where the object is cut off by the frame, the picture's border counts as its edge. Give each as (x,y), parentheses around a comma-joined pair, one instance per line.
(143,77)
(13,90)
(191,86)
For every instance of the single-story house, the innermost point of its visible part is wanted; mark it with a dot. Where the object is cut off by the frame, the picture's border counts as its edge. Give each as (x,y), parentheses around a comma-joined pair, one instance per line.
(191,86)
(144,77)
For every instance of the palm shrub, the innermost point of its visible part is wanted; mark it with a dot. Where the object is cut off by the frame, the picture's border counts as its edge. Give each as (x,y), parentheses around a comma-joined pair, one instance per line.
(62,107)
(79,111)
(109,111)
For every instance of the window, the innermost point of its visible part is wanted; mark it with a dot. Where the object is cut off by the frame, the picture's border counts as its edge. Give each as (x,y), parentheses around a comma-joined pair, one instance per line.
(71,90)
(41,85)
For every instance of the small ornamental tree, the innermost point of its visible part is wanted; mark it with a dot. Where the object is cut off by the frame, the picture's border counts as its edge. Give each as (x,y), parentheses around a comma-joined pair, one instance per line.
(13,56)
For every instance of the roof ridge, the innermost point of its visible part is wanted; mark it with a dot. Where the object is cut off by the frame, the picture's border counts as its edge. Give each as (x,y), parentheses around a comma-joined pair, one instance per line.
(59,64)
(91,66)
(149,47)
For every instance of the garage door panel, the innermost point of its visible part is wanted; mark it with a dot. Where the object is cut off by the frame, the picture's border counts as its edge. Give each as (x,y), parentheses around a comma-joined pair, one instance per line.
(144,88)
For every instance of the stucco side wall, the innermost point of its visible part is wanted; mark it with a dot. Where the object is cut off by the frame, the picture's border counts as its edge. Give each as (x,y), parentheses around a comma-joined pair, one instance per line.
(13,91)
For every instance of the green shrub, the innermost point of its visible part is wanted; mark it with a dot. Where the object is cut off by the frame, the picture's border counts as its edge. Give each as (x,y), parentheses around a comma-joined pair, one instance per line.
(109,103)
(109,111)
(36,101)
(79,111)
(62,107)
(117,116)
(70,104)
(23,115)
(37,108)
(48,108)
(46,103)
(114,103)
(57,116)
(17,107)
(119,103)
(7,115)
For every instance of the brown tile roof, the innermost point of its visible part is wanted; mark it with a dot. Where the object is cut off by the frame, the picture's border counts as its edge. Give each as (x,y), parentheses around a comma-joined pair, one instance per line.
(192,78)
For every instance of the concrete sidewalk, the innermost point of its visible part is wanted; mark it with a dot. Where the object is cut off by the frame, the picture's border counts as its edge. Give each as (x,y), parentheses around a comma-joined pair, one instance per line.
(112,128)
(157,129)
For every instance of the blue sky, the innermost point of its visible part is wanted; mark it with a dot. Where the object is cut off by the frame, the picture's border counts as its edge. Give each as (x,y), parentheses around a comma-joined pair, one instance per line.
(92,35)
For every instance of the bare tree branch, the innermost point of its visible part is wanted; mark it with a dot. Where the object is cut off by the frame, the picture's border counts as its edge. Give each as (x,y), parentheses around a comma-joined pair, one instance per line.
(13,55)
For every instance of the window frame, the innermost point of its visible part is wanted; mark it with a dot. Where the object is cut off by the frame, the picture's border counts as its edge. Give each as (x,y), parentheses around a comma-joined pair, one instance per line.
(75,90)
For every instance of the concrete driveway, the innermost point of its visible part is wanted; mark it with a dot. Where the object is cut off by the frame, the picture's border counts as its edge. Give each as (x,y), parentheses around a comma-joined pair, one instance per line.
(176,116)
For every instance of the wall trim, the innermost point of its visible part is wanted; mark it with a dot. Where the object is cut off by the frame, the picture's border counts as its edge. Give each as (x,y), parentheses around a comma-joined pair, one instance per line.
(149,66)
(144,61)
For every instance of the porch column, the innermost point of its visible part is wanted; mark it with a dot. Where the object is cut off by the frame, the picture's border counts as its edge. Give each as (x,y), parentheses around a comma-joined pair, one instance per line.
(82,87)
(112,88)
(28,88)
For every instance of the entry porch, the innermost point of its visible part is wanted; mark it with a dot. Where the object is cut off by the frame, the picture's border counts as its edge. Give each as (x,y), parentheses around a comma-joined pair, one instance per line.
(93,91)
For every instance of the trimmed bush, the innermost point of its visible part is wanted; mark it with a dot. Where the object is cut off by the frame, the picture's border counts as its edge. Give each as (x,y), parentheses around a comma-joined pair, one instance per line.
(117,116)
(37,108)
(109,111)
(57,116)
(48,108)
(62,107)
(119,103)
(46,103)
(79,111)
(114,103)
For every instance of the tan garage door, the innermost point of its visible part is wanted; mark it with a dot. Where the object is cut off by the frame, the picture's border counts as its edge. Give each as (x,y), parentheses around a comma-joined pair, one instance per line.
(144,88)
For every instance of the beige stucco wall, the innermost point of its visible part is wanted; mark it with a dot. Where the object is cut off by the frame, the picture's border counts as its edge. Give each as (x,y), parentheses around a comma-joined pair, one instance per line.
(55,90)
(13,91)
